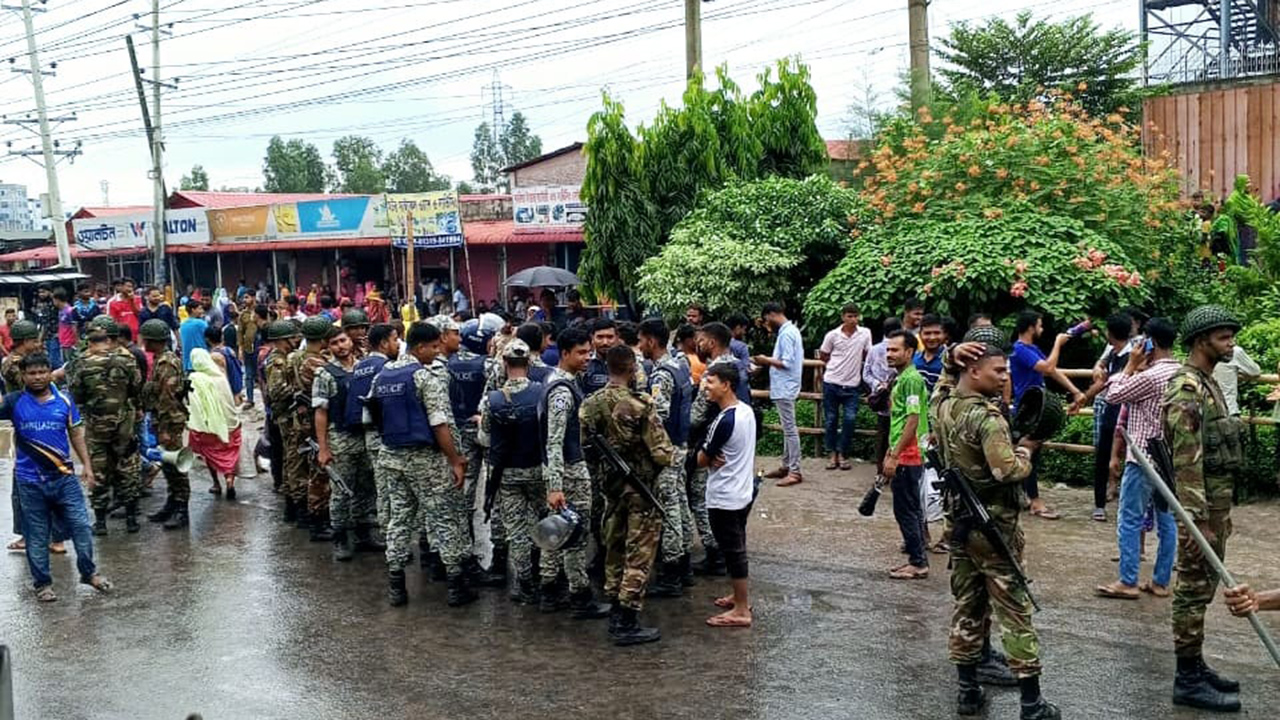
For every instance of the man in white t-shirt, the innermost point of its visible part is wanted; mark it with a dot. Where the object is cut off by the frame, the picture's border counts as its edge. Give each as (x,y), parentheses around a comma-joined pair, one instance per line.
(730,454)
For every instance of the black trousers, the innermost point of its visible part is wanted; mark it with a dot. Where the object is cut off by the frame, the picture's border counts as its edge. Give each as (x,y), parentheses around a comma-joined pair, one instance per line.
(730,530)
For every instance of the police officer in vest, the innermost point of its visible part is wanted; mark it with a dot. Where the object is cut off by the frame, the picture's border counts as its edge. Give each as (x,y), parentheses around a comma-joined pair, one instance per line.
(512,421)
(384,342)
(340,438)
(422,469)
(466,371)
(671,386)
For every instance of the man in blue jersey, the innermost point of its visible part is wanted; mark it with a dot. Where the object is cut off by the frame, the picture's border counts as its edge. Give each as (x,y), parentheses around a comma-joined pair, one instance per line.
(46,426)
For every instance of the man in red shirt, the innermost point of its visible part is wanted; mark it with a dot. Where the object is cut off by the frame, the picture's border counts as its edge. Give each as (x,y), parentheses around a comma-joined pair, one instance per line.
(124,307)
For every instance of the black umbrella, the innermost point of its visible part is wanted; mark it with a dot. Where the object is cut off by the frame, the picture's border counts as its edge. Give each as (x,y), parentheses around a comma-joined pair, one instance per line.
(543,276)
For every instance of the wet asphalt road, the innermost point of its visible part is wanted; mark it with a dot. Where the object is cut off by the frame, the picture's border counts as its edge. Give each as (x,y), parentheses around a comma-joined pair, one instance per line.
(243,618)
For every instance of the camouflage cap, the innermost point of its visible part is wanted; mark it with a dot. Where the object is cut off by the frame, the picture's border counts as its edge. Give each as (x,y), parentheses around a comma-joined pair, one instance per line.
(517,349)
(988,334)
(354,318)
(154,329)
(316,328)
(443,323)
(281,330)
(24,330)
(104,323)
(1204,319)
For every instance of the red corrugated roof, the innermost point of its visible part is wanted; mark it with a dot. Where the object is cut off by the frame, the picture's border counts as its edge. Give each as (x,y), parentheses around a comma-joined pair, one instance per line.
(269,245)
(487,232)
(845,149)
(205,199)
(50,252)
(95,212)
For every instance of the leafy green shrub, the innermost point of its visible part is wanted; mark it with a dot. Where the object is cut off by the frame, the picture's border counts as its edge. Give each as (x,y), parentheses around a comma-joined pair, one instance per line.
(750,243)
(1262,342)
(998,264)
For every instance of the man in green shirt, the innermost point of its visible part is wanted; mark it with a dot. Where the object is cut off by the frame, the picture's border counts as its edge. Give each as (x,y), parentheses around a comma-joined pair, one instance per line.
(908,421)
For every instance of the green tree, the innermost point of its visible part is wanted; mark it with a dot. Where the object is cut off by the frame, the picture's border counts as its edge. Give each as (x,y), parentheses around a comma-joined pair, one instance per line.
(293,167)
(357,166)
(465,188)
(409,170)
(486,158)
(1020,60)
(197,180)
(518,144)
(639,187)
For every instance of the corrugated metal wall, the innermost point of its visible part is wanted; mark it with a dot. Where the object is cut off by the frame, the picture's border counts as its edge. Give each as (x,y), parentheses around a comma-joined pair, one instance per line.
(1214,135)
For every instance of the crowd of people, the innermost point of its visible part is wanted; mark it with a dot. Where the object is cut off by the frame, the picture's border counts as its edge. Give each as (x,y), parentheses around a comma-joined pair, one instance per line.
(609,447)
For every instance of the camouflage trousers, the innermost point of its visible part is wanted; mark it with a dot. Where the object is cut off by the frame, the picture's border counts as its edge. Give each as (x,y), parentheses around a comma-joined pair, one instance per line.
(524,502)
(572,559)
(351,463)
(1196,583)
(381,502)
(698,509)
(474,453)
(178,484)
(631,532)
(982,584)
(677,529)
(113,453)
(295,486)
(420,491)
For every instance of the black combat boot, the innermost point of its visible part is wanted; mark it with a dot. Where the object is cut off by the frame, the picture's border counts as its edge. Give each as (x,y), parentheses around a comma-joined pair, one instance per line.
(686,571)
(525,591)
(131,518)
(478,576)
(397,595)
(994,669)
(667,584)
(629,631)
(163,513)
(1193,688)
(179,518)
(290,511)
(712,564)
(430,562)
(100,522)
(459,593)
(1219,683)
(343,545)
(969,697)
(366,541)
(498,564)
(552,597)
(1034,706)
(303,515)
(615,612)
(320,530)
(583,606)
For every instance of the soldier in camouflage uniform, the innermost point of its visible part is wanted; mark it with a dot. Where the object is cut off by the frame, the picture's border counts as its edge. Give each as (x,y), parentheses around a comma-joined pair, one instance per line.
(628,420)
(672,390)
(974,439)
(510,415)
(165,396)
(340,439)
(356,324)
(1204,440)
(278,397)
(384,343)
(312,484)
(104,384)
(565,469)
(421,467)
(26,340)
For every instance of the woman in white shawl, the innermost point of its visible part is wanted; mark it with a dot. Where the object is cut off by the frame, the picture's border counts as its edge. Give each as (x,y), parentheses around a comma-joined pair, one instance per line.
(213,421)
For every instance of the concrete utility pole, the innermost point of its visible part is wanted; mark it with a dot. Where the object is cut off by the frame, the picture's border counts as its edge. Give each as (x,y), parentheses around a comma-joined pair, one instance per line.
(157,153)
(1224,38)
(46,141)
(921,79)
(692,37)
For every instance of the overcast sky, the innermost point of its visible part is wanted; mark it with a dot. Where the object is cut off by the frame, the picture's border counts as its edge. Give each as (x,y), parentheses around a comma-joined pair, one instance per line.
(422,69)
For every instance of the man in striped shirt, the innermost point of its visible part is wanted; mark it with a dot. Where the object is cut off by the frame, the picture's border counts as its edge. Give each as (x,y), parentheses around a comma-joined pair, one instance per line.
(1140,388)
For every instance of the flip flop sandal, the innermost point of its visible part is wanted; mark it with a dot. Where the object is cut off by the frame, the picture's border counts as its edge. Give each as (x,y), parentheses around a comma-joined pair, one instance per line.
(1109,591)
(1046,514)
(722,621)
(833,466)
(58,550)
(19,545)
(726,603)
(939,548)
(99,583)
(846,466)
(907,574)
(46,594)
(1159,591)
